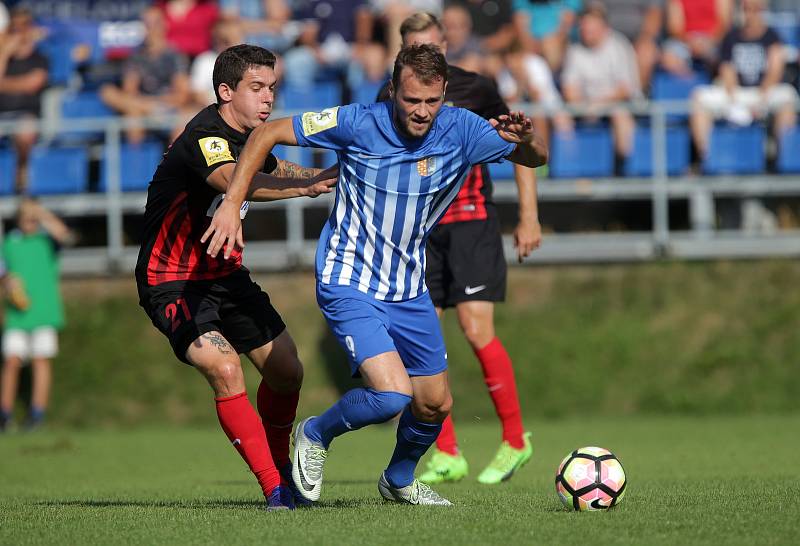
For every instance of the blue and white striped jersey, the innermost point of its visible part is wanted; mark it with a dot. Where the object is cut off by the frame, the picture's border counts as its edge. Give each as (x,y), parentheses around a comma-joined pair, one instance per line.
(392,191)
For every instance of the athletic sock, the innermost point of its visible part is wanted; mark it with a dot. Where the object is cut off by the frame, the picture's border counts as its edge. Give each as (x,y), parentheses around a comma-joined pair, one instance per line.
(446,442)
(277,411)
(498,373)
(5,418)
(241,424)
(35,417)
(356,409)
(414,437)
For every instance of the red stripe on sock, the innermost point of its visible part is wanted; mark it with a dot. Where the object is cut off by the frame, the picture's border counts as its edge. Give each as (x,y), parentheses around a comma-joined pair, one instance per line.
(277,411)
(446,441)
(243,428)
(498,373)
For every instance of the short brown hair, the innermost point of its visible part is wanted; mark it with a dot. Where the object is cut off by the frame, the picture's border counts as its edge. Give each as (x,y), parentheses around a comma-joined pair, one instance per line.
(420,22)
(425,60)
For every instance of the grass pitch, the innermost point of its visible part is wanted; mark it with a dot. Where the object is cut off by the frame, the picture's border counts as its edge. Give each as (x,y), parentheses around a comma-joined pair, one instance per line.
(691,481)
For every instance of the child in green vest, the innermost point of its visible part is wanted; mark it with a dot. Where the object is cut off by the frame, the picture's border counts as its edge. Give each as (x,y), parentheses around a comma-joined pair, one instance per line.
(32,321)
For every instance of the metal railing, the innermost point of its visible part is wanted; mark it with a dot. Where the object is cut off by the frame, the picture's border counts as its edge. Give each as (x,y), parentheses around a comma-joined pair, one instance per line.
(701,241)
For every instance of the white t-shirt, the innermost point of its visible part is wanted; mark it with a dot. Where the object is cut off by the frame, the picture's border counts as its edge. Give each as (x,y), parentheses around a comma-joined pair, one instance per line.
(3,18)
(540,77)
(599,72)
(201,75)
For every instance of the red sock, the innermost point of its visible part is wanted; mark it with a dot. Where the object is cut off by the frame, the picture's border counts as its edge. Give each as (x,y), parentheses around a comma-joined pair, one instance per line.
(499,377)
(240,423)
(277,412)
(447,438)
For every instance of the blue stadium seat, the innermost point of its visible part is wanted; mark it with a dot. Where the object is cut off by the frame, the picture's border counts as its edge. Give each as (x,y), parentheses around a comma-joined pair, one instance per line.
(58,170)
(367,92)
(668,87)
(501,171)
(735,150)
(789,152)
(8,169)
(320,95)
(78,106)
(588,152)
(640,162)
(84,105)
(138,162)
(57,47)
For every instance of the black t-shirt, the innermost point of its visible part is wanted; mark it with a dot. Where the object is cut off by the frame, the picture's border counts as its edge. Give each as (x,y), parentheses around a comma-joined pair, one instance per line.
(748,56)
(180,203)
(23,102)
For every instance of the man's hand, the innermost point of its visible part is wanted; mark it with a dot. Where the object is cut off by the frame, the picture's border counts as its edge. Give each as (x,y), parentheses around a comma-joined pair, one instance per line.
(225,228)
(324,182)
(527,237)
(515,127)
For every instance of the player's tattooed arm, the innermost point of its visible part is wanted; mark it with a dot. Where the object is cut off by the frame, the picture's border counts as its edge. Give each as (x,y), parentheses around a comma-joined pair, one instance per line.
(287,169)
(216,340)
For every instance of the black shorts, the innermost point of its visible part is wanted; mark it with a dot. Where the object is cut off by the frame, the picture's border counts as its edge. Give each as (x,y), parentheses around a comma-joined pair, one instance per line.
(465,262)
(233,305)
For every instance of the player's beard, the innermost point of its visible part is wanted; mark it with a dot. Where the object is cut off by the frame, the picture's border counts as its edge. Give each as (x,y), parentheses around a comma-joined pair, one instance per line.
(415,131)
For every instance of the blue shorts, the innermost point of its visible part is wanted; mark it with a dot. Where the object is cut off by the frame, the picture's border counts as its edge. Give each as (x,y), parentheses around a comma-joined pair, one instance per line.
(367,327)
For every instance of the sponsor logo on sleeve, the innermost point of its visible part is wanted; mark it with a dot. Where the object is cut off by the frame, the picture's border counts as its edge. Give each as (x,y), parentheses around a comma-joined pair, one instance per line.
(215,150)
(316,122)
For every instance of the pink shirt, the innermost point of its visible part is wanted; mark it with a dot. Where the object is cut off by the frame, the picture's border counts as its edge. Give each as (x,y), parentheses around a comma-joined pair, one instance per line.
(191,34)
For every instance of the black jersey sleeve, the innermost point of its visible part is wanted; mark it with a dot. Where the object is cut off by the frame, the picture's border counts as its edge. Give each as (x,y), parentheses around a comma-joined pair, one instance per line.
(489,103)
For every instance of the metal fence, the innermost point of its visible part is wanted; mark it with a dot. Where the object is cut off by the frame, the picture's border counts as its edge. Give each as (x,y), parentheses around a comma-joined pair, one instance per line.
(701,241)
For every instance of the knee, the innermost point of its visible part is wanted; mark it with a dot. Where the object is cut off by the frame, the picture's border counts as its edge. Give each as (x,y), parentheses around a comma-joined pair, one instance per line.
(433,410)
(226,376)
(289,378)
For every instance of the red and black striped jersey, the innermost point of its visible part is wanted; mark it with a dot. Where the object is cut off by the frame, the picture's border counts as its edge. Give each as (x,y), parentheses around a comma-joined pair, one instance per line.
(180,203)
(478,94)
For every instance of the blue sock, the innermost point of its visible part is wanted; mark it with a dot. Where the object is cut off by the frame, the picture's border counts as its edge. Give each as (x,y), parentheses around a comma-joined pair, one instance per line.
(356,409)
(414,437)
(5,418)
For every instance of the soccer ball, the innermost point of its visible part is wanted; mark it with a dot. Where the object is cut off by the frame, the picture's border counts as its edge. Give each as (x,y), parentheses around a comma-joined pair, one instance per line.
(590,478)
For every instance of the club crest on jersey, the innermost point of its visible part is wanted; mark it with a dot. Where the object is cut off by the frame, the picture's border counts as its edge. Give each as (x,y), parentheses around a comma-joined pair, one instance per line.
(426,166)
(316,122)
(215,149)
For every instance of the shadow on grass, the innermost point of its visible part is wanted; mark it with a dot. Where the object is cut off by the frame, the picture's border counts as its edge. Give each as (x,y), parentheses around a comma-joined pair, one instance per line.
(204,505)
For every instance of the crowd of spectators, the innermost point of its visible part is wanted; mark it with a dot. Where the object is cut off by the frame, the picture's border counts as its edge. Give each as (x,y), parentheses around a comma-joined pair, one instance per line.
(600,57)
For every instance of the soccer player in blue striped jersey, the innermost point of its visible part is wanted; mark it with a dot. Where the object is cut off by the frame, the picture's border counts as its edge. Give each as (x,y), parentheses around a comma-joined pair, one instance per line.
(401,163)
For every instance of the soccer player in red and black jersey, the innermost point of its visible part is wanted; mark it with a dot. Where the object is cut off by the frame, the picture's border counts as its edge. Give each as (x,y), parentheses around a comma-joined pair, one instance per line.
(466,269)
(209,308)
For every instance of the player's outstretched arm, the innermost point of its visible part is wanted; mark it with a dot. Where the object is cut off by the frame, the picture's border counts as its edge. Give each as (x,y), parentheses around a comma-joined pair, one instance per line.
(226,223)
(306,182)
(516,127)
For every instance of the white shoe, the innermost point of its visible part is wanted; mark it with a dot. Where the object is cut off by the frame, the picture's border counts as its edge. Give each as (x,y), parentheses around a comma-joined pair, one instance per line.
(309,458)
(414,493)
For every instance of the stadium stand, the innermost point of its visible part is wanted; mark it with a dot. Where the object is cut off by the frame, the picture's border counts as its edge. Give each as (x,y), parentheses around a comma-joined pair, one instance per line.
(58,170)
(138,162)
(789,152)
(735,150)
(8,165)
(588,152)
(640,162)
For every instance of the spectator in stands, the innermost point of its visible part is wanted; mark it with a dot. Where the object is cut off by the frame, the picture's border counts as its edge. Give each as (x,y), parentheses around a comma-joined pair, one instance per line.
(226,33)
(491,22)
(23,77)
(695,29)
(751,75)
(544,26)
(641,22)
(463,49)
(30,255)
(265,23)
(335,42)
(601,73)
(189,24)
(154,81)
(392,13)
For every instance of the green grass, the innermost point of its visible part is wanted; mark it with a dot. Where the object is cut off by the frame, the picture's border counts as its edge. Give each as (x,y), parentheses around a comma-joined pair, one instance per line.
(720,480)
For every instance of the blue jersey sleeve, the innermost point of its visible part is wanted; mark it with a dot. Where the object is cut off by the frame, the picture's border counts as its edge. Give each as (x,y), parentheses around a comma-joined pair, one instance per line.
(482,144)
(332,128)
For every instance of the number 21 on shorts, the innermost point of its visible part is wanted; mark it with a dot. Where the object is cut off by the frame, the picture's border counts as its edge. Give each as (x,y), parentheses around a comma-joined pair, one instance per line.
(171,311)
